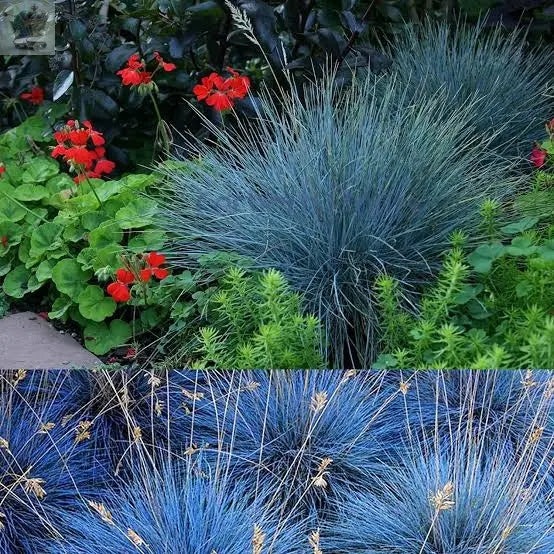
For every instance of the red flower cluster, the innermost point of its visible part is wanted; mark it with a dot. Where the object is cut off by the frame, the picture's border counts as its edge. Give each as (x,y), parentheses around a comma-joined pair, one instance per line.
(220,93)
(119,290)
(36,96)
(135,73)
(83,149)
(2,170)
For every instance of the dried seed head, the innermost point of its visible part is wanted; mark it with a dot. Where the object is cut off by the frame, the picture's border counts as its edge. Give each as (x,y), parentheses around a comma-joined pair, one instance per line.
(46,427)
(34,486)
(319,480)
(258,540)
(528,380)
(318,401)
(314,542)
(443,498)
(193,395)
(137,433)
(506,532)
(158,408)
(154,381)
(350,373)
(5,445)
(19,376)
(404,387)
(101,510)
(82,431)
(135,538)
(65,419)
(251,386)
(192,449)
(536,434)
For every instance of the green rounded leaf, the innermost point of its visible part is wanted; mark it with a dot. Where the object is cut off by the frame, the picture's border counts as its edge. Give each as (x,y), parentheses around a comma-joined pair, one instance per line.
(16,282)
(101,338)
(44,270)
(45,237)
(40,171)
(147,240)
(95,305)
(10,236)
(483,257)
(59,182)
(30,193)
(107,234)
(60,307)
(70,278)
(139,213)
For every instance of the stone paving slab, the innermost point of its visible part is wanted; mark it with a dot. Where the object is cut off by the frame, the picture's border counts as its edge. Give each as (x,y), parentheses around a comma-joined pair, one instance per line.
(27,341)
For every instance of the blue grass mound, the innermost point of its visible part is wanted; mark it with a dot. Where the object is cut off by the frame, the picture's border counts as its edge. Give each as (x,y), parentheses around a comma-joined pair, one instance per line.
(456,501)
(496,70)
(174,510)
(335,191)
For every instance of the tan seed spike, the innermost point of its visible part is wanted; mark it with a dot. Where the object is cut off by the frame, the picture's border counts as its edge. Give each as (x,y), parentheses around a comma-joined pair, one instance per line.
(258,540)
(101,510)
(443,498)
(314,539)
(318,401)
(404,387)
(135,538)
(34,486)
(45,427)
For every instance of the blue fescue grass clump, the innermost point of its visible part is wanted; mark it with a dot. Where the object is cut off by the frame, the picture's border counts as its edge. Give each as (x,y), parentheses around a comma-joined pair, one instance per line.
(333,192)
(305,438)
(175,510)
(457,501)
(472,62)
(45,466)
(481,406)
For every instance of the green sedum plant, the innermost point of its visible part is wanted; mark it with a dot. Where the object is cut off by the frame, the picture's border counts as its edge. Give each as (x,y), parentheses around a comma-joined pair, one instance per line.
(255,321)
(491,308)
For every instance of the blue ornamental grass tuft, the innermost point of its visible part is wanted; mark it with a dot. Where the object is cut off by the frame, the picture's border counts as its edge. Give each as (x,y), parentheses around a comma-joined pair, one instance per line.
(333,192)
(46,461)
(175,509)
(303,440)
(507,80)
(455,500)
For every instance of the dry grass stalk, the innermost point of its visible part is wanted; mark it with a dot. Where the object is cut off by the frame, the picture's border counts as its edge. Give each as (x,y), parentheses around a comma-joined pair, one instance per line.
(66,419)
(154,381)
(192,449)
(258,540)
(34,486)
(242,21)
(251,386)
(314,542)
(528,380)
(135,538)
(319,400)
(158,408)
(443,498)
(102,511)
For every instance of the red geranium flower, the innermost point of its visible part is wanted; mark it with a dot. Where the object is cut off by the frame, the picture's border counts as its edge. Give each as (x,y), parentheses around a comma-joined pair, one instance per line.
(124,276)
(538,156)
(2,169)
(163,64)
(219,92)
(153,261)
(119,291)
(36,96)
(81,148)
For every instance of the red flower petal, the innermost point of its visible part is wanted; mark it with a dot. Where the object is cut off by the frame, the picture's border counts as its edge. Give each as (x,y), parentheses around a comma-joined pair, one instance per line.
(538,157)
(160,273)
(145,275)
(155,260)
(119,292)
(104,166)
(124,276)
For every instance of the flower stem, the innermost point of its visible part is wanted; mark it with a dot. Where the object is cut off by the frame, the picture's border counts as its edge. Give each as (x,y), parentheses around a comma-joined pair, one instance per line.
(93,189)
(161,123)
(21,205)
